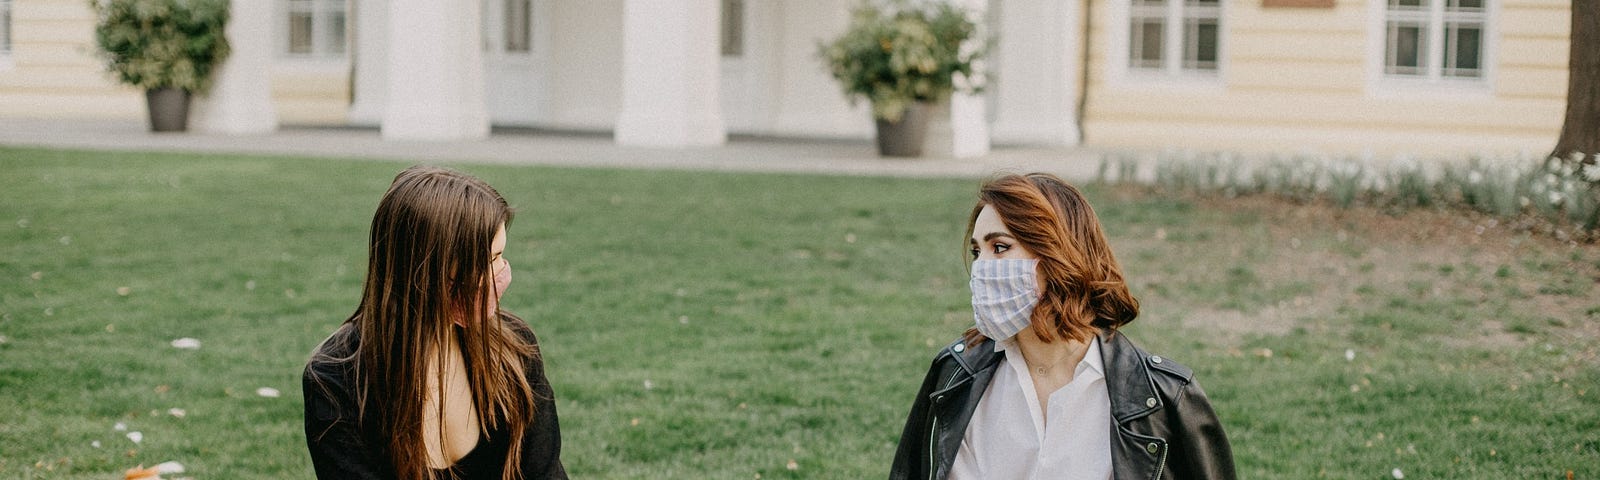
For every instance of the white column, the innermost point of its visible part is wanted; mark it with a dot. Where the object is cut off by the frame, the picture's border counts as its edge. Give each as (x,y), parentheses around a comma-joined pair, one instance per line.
(371,62)
(964,132)
(671,71)
(240,99)
(1038,71)
(435,73)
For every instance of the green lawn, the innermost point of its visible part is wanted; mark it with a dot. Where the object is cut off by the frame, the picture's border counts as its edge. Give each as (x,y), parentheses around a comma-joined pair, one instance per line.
(714,325)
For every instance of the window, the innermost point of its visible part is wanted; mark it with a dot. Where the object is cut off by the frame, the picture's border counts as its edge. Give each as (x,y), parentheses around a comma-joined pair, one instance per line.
(1434,39)
(1174,36)
(316,29)
(732,28)
(5,28)
(518,26)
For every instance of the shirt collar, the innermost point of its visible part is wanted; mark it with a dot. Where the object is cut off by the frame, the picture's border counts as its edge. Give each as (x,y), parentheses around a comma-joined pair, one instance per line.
(1091,358)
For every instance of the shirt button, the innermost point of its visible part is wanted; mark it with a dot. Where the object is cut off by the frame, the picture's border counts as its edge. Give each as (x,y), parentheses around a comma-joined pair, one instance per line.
(1152,447)
(1150,402)
(960,347)
(1155,359)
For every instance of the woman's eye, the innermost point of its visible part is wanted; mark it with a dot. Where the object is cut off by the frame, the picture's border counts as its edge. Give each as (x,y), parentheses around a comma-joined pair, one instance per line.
(974,252)
(1000,248)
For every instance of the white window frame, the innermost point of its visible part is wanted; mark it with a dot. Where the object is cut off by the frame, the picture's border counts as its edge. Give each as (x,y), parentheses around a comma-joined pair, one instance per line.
(1431,83)
(8,37)
(1171,75)
(322,48)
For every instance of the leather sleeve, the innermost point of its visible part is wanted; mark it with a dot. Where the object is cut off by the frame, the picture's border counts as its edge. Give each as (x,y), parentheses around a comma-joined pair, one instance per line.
(1200,447)
(911,457)
(337,448)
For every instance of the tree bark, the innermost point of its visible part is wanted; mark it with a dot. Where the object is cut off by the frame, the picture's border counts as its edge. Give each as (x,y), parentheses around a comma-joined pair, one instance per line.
(1580,131)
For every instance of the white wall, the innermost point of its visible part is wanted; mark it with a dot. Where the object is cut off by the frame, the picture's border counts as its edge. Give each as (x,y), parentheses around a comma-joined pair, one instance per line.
(586,65)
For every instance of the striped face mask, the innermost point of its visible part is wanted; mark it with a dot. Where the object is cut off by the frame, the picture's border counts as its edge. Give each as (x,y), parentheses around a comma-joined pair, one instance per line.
(1003,295)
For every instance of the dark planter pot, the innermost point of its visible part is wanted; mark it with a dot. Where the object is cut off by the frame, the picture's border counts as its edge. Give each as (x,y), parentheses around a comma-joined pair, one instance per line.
(169,109)
(905,137)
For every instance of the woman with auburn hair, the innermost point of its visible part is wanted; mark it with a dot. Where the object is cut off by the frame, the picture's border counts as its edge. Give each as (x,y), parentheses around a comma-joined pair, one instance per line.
(429,378)
(1045,385)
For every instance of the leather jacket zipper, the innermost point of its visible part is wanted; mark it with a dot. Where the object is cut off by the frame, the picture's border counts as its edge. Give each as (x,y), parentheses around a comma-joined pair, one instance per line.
(933,433)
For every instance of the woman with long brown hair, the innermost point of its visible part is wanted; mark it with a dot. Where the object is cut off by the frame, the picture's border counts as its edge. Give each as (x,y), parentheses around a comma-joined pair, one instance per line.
(429,378)
(1045,385)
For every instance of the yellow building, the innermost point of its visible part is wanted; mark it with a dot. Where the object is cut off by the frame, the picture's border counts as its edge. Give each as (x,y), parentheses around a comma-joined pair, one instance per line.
(1346,76)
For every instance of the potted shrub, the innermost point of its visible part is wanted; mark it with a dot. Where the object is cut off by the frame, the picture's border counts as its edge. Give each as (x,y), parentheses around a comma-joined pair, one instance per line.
(168,48)
(903,57)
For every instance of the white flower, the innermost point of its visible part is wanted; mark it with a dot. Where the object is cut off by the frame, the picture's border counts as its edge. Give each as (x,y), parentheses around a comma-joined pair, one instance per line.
(649,385)
(186,343)
(1397,474)
(177,412)
(121,427)
(136,437)
(1349,355)
(267,392)
(1555,198)
(1576,156)
(1591,172)
(1524,201)
(170,467)
(1474,177)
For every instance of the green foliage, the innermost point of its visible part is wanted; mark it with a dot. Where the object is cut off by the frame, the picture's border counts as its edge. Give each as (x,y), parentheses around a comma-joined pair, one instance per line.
(153,44)
(1558,196)
(896,53)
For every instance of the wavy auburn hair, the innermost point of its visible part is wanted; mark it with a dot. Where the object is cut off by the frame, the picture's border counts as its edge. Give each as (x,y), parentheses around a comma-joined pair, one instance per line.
(1082,285)
(429,266)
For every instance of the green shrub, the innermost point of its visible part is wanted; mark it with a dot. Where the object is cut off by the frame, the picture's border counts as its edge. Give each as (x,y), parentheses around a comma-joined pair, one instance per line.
(153,44)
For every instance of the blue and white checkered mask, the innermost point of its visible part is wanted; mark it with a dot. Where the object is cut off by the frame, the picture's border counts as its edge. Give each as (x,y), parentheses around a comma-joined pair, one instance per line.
(1003,295)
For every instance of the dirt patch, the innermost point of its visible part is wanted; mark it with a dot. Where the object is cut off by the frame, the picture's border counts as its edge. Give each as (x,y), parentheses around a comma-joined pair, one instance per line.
(1352,256)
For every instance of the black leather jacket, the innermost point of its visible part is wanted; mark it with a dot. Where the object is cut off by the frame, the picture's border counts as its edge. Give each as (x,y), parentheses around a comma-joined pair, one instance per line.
(1163,425)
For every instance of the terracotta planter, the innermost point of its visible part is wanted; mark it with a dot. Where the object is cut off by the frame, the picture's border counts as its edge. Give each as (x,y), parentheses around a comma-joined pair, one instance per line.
(905,137)
(169,109)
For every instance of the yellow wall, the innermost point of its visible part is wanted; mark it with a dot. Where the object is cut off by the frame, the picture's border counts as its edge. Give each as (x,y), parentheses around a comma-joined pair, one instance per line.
(1298,80)
(54,73)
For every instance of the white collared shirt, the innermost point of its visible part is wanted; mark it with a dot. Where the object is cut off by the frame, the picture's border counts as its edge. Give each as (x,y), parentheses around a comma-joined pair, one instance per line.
(1009,438)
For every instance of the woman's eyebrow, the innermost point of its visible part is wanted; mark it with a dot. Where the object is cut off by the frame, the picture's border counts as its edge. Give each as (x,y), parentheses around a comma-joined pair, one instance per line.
(994,235)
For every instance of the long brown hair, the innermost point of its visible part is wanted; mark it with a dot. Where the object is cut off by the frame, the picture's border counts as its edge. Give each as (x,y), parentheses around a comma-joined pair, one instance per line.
(1083,287)
(429,267)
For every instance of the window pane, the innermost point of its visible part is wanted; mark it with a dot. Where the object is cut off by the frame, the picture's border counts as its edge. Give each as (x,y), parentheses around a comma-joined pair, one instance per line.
(518,25)
(300,40)
(1149,3)
(732,28)
(1463,52)
(1464,5)
(1200,45)
(334,37)
(1407,4)
(1202,3)
(1145,43)
(5,26)
(1405,47)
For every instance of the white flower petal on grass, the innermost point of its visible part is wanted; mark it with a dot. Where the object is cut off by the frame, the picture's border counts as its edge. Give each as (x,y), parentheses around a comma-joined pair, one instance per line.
(1473,177)
(1591,172)
(250,285)
(124,291)
(648,384)
(186,343)
(121,427)
(792,465)
(1349,355)
(267,392)
(95,444)
(136,437)
(177,412)
(1397,474)
(170,467)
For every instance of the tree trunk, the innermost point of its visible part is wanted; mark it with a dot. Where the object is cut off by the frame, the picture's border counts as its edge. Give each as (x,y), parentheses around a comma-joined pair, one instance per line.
(1580,132)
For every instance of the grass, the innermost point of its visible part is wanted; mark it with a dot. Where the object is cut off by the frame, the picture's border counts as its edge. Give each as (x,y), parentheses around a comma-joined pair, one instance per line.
(717,325)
